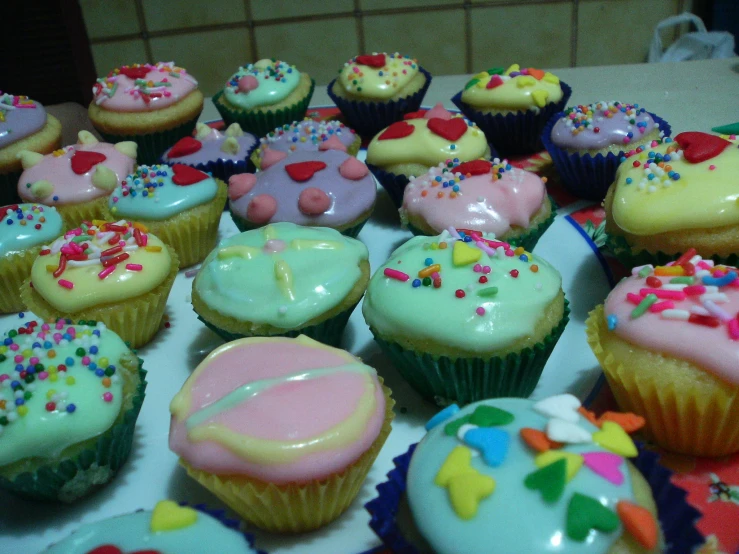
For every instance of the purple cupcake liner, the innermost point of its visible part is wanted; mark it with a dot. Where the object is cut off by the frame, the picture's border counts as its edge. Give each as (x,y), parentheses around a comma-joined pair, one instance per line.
(517,133)
(369,118)
(676,517)
(221,516)
(587,176)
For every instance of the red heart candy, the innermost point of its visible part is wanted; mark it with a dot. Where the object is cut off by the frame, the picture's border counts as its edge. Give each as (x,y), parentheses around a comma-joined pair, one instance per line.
(134,72)
(184,175)
(377,61)
(415,115)
(5,209)
(397,130)
(699,147)
(475,167)
(303,171)
(184,147)
(83,161)
(450,129)
(106,549)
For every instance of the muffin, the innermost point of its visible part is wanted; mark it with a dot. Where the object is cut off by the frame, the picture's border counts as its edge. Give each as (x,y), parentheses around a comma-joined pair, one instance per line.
(587,142)
(309,134)
(169,527)
(76,179)
(423,140)
(373,91)
(24,125)
(487,197)
(497,314)
(677,195)
(512,106)
(24,228)
(151,105)
(265,95)
(547,477)
(284,280)
(326,188)
(221,154)
(116,273)
(668,340)
(69,398)
(179,204)
(283,430)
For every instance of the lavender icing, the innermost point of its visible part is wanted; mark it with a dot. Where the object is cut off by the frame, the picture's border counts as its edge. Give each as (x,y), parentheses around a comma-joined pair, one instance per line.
(306,135)
(19,118)
(212,146)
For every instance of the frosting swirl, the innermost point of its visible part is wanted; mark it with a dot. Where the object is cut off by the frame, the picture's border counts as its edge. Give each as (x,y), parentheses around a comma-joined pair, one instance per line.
(19,117)
(23,226)
(512,89)
(263,83)
(210,145)
(378,76)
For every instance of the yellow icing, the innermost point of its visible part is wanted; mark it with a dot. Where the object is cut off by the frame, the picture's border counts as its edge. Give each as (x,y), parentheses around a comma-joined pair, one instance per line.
(522,92)
(169,516)
(380,83)
(426,148)
(700,198)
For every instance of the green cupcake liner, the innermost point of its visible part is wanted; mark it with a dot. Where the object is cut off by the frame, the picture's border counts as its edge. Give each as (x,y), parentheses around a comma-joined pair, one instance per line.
(73,478)
(328,332)
(445,381)
(242,225)
(619,247)
(261,123)
(152,145)
(9,188)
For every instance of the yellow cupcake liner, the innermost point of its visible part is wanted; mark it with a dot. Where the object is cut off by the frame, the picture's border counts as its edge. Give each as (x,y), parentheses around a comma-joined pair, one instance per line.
(296,508)
(14,269)
(74,214)
(135,320)
(679,419)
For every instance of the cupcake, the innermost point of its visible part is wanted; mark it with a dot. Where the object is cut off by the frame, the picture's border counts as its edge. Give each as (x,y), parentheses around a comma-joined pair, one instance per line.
(115,273)
(374,91)
(179,204)
(284,431)
(24,125)
(77,179)
(169,527)
(531,477)
(486,197)
(284,280)
(265,95)
(221,154)
(327,188)
(311,135)
(668,340)
(69,398)
(423,140)
(465,317)
(677,195)
(512,106)
(151,105)
(24,228)
(587,143)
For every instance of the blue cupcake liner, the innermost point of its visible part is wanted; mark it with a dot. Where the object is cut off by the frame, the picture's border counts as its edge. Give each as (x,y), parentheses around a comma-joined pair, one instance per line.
(221,516)
(587,176)
(517,133)
(677,518)
(369,118)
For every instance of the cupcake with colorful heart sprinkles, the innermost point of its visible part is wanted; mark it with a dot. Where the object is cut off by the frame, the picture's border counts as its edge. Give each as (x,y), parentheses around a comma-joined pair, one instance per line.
(70,395)
(115,273)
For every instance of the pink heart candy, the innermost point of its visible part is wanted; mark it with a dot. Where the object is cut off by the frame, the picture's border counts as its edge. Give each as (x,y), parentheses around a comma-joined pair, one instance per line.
(438,111)
(240,184)
(248,83)
(271,157)
(606,465)
(332,143)
(353,169)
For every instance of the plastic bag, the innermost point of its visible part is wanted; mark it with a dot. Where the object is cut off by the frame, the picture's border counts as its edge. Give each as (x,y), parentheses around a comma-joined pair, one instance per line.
(698,45)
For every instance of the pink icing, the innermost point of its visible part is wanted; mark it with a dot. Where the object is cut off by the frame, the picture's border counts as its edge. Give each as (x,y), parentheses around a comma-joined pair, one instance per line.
(353,169)
(248,83)
(313,201)
(240,184)
(482,203)
(438,111)
(261,208)
(711,348)
(332,143)
(69,187)
(270,157)
(294,411)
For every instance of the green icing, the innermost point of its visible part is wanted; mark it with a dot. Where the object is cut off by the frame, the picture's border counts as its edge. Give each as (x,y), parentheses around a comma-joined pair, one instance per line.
(63,396)
(151,194)
(23,226)
(275,81)
(282,275)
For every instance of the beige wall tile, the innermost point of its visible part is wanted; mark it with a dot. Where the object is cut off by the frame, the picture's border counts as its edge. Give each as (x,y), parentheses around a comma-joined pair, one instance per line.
(606,37)
(211,56)
(302,45)
(391,4)
(534,36)
(421,35)
(109,55)
(280,9)
(109,18)
(176,14)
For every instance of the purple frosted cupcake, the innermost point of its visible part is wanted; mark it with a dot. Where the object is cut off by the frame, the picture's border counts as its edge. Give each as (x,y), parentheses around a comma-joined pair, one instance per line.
(221,154)
(587,143)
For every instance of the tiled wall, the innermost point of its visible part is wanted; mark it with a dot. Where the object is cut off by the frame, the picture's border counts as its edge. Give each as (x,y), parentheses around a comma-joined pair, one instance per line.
(211,38)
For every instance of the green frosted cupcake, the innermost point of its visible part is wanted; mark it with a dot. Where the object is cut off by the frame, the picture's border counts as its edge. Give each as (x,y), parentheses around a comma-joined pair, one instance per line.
(466,318)
(282,280)
(265,95)
(69,399)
